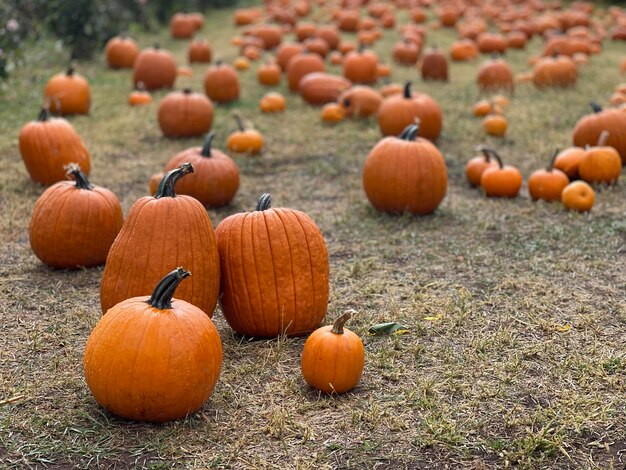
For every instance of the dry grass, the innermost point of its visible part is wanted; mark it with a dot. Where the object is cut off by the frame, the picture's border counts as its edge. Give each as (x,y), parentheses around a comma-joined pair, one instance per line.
(516,355)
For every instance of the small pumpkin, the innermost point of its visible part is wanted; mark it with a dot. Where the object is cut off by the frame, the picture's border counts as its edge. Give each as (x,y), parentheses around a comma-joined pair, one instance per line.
(244,140)
(601,163)
(221,83)
(241,63)
(155,68)
(578,196)
(274,271)
(482,108)
(405,173)
(568,161)
(361,66)
(176,356)
(272,102)
(405,52)
(121,52)
(269,74)
(333,358)
(68,93)
(477,165)
(333,113)
(74,223)
(285,52)
(182,26)
(185,114)
(47,145)
(495,124)
(501,181)
(464,50)
(435,65)
(199,51)
(547,184)
(360,101)
(139,97)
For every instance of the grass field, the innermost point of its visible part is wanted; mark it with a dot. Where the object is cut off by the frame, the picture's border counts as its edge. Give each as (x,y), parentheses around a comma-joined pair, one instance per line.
(516,310)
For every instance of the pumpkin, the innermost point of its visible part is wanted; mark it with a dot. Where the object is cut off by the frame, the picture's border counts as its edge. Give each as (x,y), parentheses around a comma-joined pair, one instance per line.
(333,358)
(463,50)
(318,88)
(81,236)
(360,101)
(153,183)
(333,113)
(215,179)
(269,74)
(121,52)
(361,66)
(588,129)
(501,181)
(161,231)
(285,52)
(139,97)
(305,30)
(335,58)
(272,102)
(330,34)
(317,46)
(68,93)
(482,108)
(601,163)
(182,26)
(270,34)
(558,70)
(198,19)
(185,114)
(547,184)
(495,124)
(383,71)
(579,196)
(348,20)
(405,173)
(405,52)
(47,145)
(155,68)
(302,64)
(244,140)
(184,71)
(398,111)
(221,83)
(274,271)
(488,42)
(199,51)
(435,65)
(495,74)
(241,63)
(153,358)
(568,161)
(516,39)
(477,165)
(391,89)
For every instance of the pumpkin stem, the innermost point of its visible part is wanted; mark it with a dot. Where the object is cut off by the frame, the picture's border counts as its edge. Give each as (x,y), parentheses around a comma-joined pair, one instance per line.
(187,91)
(44,114)
(410,132)
(168,183)
(486,152)
(552,160)
(157,46)
(407,89)
(265,202)
(595,106)
(82,182)
(206,148)
(495,55)
(346,103)
(161,297)
(495,155)
(219,62)
(361,48)
(70,70)
(604,136)
(239,122)
(340,322)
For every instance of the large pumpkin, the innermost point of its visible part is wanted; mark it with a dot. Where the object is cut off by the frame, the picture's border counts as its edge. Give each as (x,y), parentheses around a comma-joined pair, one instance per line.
(81,236)
(155,68)
(319,88)
(121,52)
(221,83)
(153,358)
(405,173)
(47,145)
(68,93)
(185,114)
(215,179)
(159,232)
(274,271)
(589,128)
(302,64)
(400,110)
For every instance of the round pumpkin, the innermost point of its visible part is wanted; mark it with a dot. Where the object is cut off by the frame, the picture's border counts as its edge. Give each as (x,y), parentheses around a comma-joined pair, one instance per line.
(333,113)
(319,88)
(501,181)
(547,184)
(285,52)
(300,65)
(153,358)
(81,236)
(272,102)
(405,52)
(274,272)
(405,173)
(244,140)
(269,74)
(47,145)
(333,358)
(555,71)
(495,125)
(221,83)
(139,98)
(579,196)
(121,52)
(185,114)
(588,129)
(182,26)
(600,163)
(477,165)
(568,161)
(161,231)
(199,51)
(155,68)
(361,66)
(68,93)
(495,74)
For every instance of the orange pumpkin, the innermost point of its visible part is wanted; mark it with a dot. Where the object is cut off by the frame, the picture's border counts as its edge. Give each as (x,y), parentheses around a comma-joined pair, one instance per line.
(333,113)
(568,161)
(300,65)
(435,65)
(121,52)
(139,98)
(495,74)
(274,271)
(318,88)
(285,52)
(555,71)
(361,66)
(464,50)
(589,128)
(477,165)
(182,26)
(601,163)
(199,51)
(547,184)
(579,196)
(482,108)
(244,140)
(405,52)
(495,125)
(269,74)
(272,102)
(360,101)
(185,114)
(333,358)
(68,93)
(221,83)
(241,63)
(155,68)
(501,181)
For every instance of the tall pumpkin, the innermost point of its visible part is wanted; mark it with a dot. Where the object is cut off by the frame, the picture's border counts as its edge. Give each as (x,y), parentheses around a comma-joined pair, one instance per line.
(405,173)
(274,271)
(74,223)
(153,358)
(589,128)
(47,145)
(160,232)
(68,93)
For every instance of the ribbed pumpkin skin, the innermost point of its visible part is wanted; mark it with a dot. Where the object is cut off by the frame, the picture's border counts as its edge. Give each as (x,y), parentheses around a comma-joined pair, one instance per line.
(72,227)
(396,112)
(301,65)
(147,364)
(185,114)
(495,75)
(68,93)
(320,88)
(215,179)
(154,68)
(47,146)
(589,128)
(403,176)
(332,362)
(199,52)
(274,273)
(157,235)
(555,71)
(121,52)
(221,83)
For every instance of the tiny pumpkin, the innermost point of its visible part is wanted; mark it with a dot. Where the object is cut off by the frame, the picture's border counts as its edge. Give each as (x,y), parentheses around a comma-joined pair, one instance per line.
(501,181)
(333,113)
(244,140)
(579,196)
(269,74)
(477,165)
(272,102)
(495,124)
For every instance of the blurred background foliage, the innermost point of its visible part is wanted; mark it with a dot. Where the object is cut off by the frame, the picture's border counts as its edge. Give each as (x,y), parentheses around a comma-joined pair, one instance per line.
(83,26)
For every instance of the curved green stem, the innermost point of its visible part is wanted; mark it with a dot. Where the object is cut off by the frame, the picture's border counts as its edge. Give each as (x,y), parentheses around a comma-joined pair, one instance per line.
(595,106)
(44,114)
(486,151)
(552,160)
(239,122)
(265,202)
(410,132)
(206,148)
(168,183)
(161,297)
(81,178)
(340,323)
